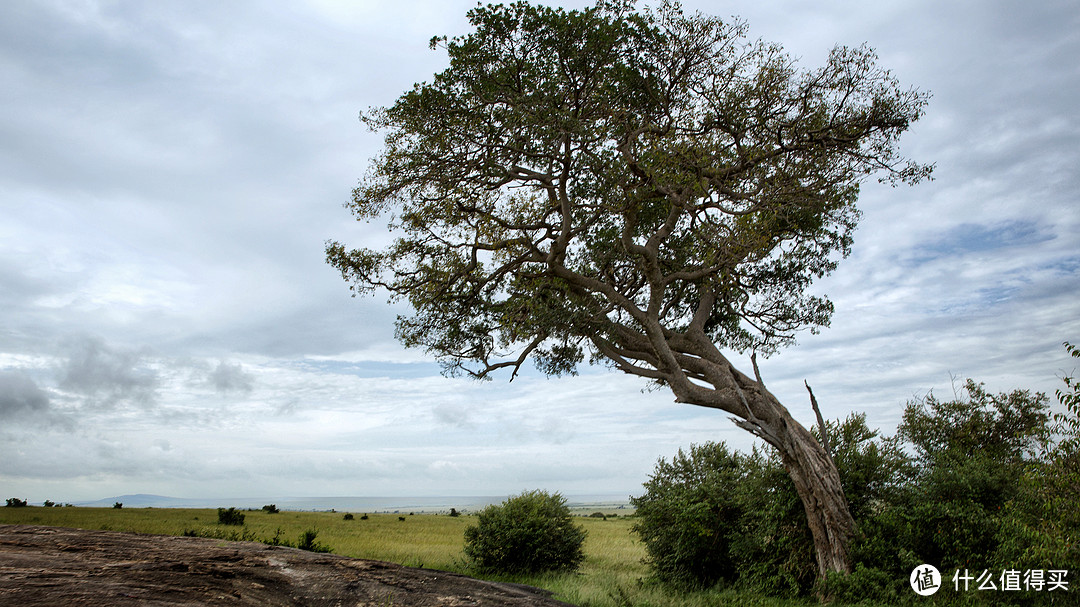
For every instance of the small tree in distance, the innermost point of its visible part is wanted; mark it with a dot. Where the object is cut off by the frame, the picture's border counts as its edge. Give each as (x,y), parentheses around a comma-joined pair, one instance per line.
(640,189)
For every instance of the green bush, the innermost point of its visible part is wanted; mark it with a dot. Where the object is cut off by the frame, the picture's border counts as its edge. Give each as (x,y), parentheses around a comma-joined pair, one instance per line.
(14,502)
(980,482)
(690,512)
(528,533)
(307,542)
(232,516)
(716,517)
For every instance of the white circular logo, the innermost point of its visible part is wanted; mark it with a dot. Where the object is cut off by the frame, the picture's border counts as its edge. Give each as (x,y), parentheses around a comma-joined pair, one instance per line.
(925,580)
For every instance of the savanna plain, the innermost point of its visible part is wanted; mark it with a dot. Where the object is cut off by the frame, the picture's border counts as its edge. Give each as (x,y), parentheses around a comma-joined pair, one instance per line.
(614,573)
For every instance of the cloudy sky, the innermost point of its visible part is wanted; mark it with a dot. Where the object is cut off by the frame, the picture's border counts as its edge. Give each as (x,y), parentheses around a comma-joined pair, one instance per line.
(169,173)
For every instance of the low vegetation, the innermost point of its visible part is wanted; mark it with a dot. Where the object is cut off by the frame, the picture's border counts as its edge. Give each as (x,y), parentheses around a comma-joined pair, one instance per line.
(983,484)
(529,533)
(232,516)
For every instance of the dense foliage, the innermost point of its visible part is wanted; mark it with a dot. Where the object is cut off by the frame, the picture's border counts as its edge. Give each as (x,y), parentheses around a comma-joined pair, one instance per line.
(980,482)
(527,533)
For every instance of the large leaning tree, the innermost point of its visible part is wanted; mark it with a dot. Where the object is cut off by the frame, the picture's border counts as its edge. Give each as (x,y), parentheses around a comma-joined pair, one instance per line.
(645,188)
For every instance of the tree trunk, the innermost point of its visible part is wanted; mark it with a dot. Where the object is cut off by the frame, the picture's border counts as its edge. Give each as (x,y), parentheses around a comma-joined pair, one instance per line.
(818,483)
(680,358)
(809,465)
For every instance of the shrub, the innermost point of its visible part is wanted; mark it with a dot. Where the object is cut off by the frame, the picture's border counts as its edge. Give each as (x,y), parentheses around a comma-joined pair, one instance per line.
(990,483)
(528,533)
(705,511)
(307,542)
(713,516)
(118,505)
(454,512)
(14,502)
(271,509)
(348,517)
(232,516)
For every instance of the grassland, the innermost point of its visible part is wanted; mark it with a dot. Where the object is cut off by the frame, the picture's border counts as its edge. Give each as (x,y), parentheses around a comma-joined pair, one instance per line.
(612,575)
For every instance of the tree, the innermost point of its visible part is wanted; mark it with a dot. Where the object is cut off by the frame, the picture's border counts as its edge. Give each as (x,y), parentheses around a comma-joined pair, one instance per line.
(646,188)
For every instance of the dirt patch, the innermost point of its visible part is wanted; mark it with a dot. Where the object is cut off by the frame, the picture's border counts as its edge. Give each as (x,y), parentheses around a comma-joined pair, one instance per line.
(59,566)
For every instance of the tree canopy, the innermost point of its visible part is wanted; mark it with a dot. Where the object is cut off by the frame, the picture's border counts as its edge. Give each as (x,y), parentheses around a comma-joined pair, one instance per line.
(603,180)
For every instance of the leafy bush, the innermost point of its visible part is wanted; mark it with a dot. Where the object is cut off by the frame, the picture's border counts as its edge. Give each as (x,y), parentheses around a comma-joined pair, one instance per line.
(118,505)
(14,502)
(232,516)
(690,513)
(716,517)
(271,509)
(1043,520)
(528,533)
(307,542)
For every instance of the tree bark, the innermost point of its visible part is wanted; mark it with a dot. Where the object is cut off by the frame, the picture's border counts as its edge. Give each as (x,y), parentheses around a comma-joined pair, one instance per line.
(818,484)
(814,475)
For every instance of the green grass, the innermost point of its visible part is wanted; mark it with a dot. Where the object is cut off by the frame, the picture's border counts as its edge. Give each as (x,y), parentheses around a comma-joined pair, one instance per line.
(612,575)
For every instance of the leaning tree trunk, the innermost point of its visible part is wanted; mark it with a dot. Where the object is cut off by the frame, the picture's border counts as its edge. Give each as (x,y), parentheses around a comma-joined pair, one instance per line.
(809,465)
(811,469)
(818,483)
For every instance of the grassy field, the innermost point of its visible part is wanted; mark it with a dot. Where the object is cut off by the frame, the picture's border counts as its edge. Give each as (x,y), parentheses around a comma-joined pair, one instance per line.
(610,577)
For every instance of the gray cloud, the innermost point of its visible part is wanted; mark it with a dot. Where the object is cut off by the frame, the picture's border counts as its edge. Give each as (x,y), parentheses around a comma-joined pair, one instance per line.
(22,401)
(227,378)
(106,375)
(20,396)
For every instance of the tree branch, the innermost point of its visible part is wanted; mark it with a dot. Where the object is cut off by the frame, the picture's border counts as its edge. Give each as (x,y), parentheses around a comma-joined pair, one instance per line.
(820,421)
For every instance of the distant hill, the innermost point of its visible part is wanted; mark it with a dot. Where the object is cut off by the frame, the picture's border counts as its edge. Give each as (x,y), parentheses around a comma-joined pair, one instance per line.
(145,500)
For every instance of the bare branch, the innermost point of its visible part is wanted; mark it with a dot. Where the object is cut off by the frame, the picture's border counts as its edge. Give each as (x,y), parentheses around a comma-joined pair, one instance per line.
(820,421)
